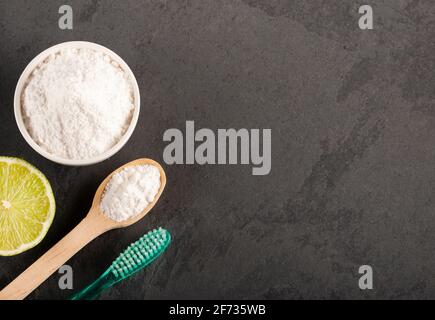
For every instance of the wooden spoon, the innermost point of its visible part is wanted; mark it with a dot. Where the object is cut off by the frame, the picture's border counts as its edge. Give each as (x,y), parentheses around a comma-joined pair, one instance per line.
(95,224)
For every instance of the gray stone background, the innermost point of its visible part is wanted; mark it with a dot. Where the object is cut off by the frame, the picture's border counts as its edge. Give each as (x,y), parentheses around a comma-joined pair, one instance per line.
(353,144)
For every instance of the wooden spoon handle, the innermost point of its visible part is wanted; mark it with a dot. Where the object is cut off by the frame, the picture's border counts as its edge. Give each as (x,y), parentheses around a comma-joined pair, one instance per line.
(38,272)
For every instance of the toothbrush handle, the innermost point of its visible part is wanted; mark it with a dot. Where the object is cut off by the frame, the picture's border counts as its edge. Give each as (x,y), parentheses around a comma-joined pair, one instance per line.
(94,289)
(38,272)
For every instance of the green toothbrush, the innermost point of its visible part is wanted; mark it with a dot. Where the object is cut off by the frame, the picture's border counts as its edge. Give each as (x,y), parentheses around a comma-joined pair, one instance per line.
(137,256)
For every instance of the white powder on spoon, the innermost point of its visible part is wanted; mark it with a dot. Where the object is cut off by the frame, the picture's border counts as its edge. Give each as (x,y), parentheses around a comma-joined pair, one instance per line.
(78,104)
(130,191)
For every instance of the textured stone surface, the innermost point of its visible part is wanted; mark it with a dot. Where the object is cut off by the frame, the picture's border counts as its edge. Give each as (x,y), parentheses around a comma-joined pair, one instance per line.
(353,167)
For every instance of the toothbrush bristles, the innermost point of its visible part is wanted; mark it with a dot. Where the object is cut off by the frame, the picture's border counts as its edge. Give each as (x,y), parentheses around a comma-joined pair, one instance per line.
(141,253)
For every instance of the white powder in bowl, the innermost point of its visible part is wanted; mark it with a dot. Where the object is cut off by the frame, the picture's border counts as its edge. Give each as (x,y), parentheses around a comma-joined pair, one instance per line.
(77,104)
(130,191)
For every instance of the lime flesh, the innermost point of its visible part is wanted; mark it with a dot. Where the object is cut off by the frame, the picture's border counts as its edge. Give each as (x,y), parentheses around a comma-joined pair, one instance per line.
(27,206)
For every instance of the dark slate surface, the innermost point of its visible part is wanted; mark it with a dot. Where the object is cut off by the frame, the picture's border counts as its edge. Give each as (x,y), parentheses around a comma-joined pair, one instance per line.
(353,168)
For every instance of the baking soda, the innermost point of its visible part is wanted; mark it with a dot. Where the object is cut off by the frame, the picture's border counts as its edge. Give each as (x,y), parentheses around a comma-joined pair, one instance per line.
(78,104)
(130,191)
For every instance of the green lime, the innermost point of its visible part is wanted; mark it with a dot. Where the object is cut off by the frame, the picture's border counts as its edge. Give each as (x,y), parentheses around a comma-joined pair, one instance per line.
(27,206)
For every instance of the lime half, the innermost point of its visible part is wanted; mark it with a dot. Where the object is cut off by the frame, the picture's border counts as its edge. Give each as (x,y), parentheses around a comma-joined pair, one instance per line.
(27,206)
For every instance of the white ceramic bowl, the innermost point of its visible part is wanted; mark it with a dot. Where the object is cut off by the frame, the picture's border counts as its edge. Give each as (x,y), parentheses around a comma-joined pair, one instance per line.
(37,61)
